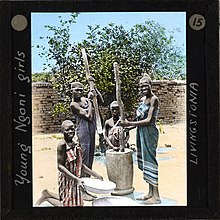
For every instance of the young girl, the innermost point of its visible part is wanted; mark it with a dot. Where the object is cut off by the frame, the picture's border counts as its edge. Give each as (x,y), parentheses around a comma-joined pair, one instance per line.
(69,164)
(82,109)
(147,139)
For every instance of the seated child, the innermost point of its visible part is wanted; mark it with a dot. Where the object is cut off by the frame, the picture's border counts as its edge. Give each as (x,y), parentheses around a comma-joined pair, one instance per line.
(70,166)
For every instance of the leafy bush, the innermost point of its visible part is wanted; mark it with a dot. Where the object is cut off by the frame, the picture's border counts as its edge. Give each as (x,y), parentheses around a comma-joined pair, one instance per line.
(41,77)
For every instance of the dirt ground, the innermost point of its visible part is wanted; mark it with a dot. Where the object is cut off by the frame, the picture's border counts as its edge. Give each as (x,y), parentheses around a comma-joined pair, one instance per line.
(171,155)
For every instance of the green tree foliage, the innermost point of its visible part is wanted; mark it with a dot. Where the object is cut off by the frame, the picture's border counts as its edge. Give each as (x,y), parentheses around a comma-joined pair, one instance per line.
(145,48)
(41,77)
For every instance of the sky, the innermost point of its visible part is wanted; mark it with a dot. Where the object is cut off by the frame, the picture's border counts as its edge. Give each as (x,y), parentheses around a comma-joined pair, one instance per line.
(170,20)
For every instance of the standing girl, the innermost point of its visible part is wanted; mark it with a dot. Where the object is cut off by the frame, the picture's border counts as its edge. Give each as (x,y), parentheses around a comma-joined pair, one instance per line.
(147,139)
(82,109)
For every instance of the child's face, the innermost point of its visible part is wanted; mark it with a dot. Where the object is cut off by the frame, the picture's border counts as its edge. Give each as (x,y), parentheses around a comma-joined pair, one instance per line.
(77,91)
(115,111)
(144,87)
(68,131)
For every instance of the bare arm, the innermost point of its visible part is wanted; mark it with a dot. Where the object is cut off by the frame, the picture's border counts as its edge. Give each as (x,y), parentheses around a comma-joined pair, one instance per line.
(91,172)
(106,132)
(76,109)
(153,105)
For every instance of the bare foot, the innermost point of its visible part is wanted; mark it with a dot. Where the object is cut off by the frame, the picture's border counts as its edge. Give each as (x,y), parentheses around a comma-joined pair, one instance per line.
(44,195)
(144,197)
(152,201)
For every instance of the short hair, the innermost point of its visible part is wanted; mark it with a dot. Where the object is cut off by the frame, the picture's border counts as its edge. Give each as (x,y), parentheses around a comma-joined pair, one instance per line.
(114,103)
(74,84)
(146,78)
(66,122)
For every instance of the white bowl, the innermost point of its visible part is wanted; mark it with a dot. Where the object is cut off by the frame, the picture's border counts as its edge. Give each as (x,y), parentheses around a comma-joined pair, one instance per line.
(114,201)
(98,186)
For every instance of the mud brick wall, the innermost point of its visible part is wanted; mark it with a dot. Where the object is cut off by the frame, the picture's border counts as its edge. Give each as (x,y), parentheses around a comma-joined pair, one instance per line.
(43,100)
(172,96)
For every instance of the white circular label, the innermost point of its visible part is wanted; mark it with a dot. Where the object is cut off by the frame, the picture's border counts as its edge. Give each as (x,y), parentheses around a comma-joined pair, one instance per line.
(197,22)
(19,22)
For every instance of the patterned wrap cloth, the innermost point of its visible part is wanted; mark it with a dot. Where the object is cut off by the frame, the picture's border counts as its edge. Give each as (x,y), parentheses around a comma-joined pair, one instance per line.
(147,140)
(69,191)
(86,136)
